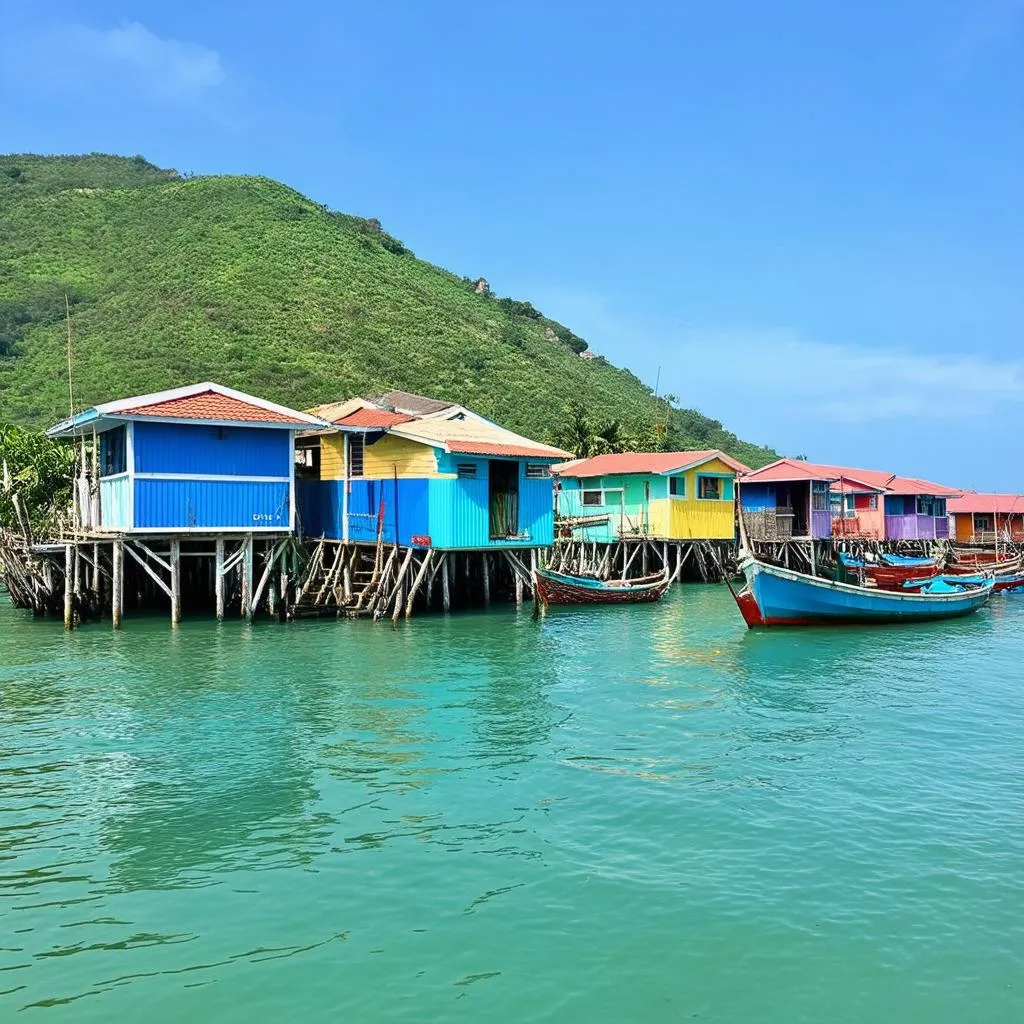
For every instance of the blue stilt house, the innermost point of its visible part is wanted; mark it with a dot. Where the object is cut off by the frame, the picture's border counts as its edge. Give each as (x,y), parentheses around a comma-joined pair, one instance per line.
(426,474)
(196,459)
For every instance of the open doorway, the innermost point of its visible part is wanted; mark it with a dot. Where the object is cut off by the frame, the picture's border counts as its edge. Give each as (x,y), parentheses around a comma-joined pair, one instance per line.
(503,499)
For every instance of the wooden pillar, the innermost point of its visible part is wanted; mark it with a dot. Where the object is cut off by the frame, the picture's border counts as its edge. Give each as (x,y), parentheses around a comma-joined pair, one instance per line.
(218,578)
(272,597)
(519,588)
(69,609)
(175,560)
(117,584)
(446,593)
(487,578)
(78,574)
(247,579)
(643,559)
(97,576)
(346,579)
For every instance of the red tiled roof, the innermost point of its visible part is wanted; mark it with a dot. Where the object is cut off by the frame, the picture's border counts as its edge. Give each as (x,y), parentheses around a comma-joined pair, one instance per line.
(987,503)
(372,418)
(871,479)
(209,405)
(618,463)
(464,447)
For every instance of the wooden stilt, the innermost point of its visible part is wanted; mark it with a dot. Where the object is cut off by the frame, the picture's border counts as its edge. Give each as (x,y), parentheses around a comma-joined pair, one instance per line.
(175,560)
(117,583)
(424,567)
(247,579)
(519,589)
(218,577)
(446,593)
(97,576)
(69,583)
(487,578)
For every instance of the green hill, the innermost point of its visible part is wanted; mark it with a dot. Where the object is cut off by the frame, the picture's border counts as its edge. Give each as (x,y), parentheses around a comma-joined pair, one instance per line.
(242,280)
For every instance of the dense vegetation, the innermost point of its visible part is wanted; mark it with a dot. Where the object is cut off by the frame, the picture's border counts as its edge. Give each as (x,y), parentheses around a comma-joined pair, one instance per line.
(35,481)
(172,280)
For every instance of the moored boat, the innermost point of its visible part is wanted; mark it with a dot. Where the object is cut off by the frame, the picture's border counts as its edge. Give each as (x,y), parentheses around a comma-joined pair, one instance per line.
(891,572)
(560,588)
(774,596)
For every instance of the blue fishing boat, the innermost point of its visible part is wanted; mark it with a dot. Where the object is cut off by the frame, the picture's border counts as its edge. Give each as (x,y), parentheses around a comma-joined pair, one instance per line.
(774,596)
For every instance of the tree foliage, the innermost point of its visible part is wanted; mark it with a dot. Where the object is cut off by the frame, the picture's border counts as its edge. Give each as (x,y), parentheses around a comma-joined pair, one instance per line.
(40,473)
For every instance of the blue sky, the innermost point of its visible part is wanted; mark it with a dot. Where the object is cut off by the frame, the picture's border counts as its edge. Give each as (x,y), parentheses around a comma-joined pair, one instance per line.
(809,216)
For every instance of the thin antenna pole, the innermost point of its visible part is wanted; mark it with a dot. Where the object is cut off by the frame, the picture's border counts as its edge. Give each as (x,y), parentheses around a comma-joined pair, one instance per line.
(71,393)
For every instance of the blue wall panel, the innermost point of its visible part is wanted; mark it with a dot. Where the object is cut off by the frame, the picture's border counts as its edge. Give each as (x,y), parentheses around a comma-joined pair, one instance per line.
(210,504)
(114,495)
(318,505)
(757,497)
(220,451)
(460,513)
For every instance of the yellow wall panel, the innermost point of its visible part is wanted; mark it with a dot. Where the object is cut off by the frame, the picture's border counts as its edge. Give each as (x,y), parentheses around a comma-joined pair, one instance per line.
(332,457)
(391,454)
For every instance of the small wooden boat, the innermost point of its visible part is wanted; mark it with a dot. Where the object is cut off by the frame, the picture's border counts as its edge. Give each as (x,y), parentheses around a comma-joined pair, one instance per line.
(1001,584)
(559,588)
(890,572)
(968,568)
(774,596)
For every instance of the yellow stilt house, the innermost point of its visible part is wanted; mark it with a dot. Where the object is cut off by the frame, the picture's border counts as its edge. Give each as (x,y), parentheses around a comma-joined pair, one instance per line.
(666,496)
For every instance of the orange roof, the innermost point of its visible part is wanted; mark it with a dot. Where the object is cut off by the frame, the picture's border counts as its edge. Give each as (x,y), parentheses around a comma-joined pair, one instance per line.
(520,451)
(372,418)
(209,405)
(619,463)
(987,503)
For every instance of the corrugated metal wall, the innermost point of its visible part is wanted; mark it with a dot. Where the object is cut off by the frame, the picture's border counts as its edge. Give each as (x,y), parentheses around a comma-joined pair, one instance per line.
(114,504)
(210,504)
(222,451)
(460,513)
(318,504)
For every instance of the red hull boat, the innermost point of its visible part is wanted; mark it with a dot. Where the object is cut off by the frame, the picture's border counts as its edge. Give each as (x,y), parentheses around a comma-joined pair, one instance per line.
(558,588)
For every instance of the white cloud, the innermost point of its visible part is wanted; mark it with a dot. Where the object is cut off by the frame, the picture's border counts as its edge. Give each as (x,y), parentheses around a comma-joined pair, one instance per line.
(782,377)
(854,383)
(130,56)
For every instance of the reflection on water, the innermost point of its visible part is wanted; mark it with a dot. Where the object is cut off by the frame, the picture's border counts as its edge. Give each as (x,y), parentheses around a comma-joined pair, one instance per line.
(490,816)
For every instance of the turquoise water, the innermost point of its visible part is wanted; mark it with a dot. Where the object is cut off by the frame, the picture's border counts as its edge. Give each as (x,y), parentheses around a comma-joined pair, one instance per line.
(640,814)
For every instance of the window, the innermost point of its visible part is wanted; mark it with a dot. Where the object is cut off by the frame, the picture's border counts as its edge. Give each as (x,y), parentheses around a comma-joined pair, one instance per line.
(113,452)
(466,470)
(928,506)
(820,501)
(872,502)
(709,488)
(677,486)
(593,498)
(983,524)
(307,459)
(356,443)
(537,471)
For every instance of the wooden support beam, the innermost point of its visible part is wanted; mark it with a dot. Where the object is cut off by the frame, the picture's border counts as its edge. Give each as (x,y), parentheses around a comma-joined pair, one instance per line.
(247,603)
(117,584)
(424,567)
(69,583)
(130,548)
(487,579)
(219,571)
(175,582)
(446,592)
